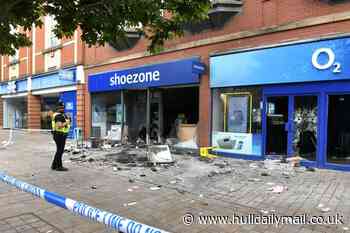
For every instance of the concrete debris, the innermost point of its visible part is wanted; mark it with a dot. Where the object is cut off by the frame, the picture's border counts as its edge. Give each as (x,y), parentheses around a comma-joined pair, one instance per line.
(154,188)
(181,191)
(154,169)
(270,183)
(131,181)
(160,154)
(115,169)
(94,187)
(323,208)
(345,228)
(142,175)
(130,190)
(278,189)
(130,204)
(265,174)
(253,165)
(264,211)
(254,180)
(173,182)
(90,160)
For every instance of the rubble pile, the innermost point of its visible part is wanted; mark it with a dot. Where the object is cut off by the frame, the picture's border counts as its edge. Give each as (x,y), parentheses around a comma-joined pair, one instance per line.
(189,173)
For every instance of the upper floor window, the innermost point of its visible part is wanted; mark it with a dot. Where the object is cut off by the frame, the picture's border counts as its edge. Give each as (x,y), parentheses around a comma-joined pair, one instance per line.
(15,57)
(50,37)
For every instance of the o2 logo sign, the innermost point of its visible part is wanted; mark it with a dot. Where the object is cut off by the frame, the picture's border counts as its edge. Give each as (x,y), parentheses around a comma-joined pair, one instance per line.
(330,60)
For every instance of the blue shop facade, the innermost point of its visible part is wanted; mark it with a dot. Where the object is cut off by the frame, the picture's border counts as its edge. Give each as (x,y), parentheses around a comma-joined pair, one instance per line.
(51,88)
(284,100)
(145,102)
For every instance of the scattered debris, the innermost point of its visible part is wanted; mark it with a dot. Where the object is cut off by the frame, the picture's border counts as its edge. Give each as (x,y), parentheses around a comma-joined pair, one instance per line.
(278,189)
(90,160)
(173,182)
(130,204)
(310,169)
(264,211)
(154,188)
(200,195)
(142,175)
(181,191)
(254,180)
(264,174)
(160,154)
(130,190)
(131,180)
(322,208)
(253,165)
(154,169)
(270,183)
(94,187)
(345,228)
(115,169)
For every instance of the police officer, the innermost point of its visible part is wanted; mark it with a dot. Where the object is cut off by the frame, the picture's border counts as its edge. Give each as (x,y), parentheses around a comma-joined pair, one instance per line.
(60,128)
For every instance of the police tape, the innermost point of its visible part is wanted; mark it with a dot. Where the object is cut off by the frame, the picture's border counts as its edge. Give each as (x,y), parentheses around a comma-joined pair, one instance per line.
(111,220)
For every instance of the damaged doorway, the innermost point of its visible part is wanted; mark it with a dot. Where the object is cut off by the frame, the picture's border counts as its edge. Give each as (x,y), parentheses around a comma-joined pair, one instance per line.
(173,114)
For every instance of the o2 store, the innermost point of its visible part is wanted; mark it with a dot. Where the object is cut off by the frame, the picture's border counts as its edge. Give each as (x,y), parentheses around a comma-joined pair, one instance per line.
(286,100)
(145,102)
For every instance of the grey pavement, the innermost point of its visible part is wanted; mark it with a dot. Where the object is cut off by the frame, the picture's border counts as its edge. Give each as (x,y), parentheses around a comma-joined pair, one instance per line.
(242,190)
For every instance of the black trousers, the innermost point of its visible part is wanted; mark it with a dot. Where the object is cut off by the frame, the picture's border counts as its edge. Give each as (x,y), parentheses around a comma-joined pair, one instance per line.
(60,140)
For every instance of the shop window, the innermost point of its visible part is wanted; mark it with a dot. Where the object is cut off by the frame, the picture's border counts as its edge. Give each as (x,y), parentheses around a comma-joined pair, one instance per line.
(106,114)
(237,120)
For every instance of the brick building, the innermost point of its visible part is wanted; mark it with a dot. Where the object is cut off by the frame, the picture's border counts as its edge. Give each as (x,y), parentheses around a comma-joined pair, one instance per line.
(275,81)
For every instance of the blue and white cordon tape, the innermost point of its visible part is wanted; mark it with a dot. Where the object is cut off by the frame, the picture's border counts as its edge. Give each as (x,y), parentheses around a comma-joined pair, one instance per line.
(113,221)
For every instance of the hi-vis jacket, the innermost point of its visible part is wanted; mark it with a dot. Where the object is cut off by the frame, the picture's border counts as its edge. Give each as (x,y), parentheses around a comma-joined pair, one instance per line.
(54,125)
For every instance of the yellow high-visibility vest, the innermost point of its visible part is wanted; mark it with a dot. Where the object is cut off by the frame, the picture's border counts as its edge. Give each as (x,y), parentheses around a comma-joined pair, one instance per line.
(55,128)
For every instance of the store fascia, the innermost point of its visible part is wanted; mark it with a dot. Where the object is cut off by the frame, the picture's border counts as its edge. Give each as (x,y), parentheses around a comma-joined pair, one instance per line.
(149,103)
(282,101)
(54,87)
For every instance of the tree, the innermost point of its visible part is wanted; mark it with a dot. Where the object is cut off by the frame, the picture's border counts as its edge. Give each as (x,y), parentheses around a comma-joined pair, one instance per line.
(100,21)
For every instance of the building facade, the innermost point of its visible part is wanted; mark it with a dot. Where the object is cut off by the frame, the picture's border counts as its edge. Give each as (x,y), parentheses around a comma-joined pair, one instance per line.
(275,82)
(37,77)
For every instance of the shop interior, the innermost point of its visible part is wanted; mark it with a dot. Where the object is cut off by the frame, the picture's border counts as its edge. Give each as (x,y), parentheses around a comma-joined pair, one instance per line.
(338,140)
(48,107)
(173,113)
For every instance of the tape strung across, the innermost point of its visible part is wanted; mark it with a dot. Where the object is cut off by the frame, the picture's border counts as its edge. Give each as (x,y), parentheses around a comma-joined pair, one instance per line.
(111,220)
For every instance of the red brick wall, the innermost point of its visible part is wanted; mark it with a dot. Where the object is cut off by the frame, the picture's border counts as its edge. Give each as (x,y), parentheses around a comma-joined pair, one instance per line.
(34,111)
(67,55)
(80,106)
(256,14)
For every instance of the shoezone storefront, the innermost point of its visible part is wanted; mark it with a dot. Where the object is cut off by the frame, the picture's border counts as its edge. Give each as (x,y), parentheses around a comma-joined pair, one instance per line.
(14,97)
(290,99)
(54,87)
(149,103)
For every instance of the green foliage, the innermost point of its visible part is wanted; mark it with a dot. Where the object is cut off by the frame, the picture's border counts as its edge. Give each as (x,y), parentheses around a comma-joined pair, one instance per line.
(100,20)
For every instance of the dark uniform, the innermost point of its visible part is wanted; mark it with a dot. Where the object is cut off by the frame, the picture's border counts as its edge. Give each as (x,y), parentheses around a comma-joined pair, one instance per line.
(60,136)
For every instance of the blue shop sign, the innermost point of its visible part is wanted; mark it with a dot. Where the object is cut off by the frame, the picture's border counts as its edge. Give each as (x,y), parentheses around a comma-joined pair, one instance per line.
(165,74)
(314,61)
(15,86)
(56,79)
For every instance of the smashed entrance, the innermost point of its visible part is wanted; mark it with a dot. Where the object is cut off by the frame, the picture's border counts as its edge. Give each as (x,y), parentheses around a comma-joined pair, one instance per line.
(162,115)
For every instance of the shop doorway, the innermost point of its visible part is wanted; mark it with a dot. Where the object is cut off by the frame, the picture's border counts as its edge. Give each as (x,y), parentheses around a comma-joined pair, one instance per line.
(338,136)
(292,126)
(276,122)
